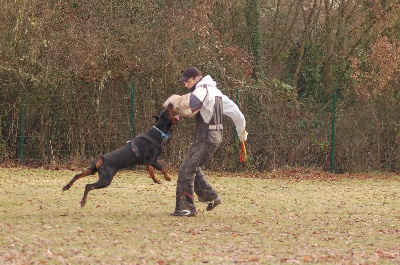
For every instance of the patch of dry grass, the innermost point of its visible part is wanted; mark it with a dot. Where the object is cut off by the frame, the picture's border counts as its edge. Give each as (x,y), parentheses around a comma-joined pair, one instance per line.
(264,219)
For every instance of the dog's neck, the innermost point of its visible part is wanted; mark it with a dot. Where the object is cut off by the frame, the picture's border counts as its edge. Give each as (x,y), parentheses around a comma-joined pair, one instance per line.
(165,135)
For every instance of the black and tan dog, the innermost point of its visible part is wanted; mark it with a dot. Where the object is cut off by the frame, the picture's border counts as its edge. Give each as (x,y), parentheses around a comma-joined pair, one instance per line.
(143,149)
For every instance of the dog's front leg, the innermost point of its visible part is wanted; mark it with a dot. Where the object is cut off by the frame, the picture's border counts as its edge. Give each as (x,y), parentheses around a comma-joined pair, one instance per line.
(151,172)
(156,165)
(165,173)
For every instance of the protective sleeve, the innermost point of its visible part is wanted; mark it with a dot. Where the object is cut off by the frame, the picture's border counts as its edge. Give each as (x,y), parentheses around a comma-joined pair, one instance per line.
(181,104)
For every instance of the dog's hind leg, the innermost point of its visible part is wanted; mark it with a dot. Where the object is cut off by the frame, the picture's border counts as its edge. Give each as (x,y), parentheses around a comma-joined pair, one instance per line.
(90,171)
(97,185)
(102,183)
(106,175)
(151,172)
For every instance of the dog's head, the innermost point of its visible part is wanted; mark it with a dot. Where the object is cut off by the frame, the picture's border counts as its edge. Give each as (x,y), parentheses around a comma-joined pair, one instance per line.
(167,119)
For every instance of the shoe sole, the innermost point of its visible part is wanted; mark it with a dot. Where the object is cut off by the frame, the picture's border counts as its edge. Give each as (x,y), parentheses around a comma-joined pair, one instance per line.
(183,214)
(211,205)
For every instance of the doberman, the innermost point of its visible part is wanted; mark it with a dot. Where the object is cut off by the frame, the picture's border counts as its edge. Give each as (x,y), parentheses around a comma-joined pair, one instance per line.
(143,149)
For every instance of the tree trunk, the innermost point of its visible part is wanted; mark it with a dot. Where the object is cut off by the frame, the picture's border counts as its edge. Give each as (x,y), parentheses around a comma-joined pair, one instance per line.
(308,22)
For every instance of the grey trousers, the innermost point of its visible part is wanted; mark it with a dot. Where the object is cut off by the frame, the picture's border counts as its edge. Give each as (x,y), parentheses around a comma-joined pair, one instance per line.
(191,178)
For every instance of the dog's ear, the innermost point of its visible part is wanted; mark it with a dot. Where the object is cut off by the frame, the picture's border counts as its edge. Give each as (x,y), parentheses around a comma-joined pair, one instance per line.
(156,117)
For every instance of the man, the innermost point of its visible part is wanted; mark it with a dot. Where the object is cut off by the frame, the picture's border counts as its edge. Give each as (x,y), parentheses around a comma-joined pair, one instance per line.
(206,104)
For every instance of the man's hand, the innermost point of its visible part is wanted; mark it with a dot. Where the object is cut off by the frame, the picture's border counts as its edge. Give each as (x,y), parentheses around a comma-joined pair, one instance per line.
(243,136)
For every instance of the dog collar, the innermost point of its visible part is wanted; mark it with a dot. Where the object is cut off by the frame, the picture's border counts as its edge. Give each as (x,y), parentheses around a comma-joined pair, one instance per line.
(163,135)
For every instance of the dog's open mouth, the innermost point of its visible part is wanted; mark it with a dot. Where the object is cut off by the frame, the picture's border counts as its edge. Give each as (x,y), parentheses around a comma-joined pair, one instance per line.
(177,117)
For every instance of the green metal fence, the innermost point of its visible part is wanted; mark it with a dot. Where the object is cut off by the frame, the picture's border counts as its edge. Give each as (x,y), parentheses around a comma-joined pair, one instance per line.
(58,150)
(51,132)
(75,127)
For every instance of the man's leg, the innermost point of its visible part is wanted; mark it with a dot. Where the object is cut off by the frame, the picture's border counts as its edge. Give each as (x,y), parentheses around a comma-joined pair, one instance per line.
(203,188)
(205,192)
(198,153)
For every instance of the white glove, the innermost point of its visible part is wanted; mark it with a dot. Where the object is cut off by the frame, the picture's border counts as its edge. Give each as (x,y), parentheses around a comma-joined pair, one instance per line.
(243,136)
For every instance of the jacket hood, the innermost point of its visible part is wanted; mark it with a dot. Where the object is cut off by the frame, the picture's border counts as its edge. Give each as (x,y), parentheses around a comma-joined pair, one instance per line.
(207,80)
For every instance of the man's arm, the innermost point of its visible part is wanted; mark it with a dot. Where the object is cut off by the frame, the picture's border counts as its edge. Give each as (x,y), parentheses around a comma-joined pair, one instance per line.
(231,110)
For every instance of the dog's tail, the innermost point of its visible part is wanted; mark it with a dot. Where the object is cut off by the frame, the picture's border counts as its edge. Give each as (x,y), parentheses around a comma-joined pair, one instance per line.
(92,169)
(95,167)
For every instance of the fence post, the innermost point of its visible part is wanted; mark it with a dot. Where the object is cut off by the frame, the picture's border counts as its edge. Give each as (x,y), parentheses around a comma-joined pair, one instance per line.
(132,116)
(235,135)
(333,133)
(22,143)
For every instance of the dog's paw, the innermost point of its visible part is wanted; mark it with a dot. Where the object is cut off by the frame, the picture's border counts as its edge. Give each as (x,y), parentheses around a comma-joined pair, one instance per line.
(156,180)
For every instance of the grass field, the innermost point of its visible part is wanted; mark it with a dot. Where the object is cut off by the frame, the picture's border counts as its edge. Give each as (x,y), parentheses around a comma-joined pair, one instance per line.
(295,217)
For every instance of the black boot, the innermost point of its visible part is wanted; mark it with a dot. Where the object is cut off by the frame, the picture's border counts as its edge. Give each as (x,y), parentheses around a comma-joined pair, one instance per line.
(184,206)
(212,204)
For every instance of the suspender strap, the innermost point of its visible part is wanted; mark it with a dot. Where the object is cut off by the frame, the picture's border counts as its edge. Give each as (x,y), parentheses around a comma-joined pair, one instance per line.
(215,127)
(215,123)
(151,140)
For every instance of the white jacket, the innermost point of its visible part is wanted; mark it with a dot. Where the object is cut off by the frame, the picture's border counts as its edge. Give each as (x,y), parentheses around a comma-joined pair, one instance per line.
(230,109)
(206,92)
